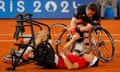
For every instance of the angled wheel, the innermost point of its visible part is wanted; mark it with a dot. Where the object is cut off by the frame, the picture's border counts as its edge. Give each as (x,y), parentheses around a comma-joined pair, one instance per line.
(13,60)
(59,35)
(102,44)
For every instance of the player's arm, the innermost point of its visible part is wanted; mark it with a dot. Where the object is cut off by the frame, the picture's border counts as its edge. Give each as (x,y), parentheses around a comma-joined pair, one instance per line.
(86,28)
(94,22)
(74,18)
(73,22)
(89,26)
(77,18)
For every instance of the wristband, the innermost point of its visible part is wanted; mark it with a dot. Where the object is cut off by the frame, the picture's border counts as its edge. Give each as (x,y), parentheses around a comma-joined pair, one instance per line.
(73,31)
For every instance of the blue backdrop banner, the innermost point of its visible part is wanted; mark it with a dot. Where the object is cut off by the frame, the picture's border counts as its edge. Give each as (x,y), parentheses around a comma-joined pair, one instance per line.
(40,8)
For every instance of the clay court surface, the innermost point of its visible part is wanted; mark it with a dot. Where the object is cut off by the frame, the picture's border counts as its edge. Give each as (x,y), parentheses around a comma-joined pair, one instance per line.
(7,28)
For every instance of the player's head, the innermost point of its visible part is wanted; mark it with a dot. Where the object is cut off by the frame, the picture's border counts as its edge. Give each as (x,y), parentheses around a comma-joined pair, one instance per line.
(91,9)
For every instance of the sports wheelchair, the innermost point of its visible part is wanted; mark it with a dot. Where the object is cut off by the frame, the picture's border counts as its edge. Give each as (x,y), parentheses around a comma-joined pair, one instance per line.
(43,54)
(100,41)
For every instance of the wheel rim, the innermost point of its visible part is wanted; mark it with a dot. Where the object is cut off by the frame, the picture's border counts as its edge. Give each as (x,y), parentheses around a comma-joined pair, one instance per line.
(102,44)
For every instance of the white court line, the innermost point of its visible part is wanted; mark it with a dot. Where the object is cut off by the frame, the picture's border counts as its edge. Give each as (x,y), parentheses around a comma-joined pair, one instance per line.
(114,40)
(115,34)
(12,34)
(6,34)
(14,40)
(54,34)
(7,40)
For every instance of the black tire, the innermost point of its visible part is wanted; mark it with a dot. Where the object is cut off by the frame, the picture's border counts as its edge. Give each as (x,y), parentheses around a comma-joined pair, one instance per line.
(102,44)
(13,58)
(59,35)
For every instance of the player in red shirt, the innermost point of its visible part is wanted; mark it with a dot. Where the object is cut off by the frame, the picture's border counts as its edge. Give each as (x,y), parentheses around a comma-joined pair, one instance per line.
(70,61)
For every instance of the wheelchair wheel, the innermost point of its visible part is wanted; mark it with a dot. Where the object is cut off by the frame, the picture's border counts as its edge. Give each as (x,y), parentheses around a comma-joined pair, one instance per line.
(102,44)
(59,35)
(12,53)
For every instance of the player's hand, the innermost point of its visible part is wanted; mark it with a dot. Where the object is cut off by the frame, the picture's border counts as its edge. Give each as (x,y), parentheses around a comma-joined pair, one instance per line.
(69,28)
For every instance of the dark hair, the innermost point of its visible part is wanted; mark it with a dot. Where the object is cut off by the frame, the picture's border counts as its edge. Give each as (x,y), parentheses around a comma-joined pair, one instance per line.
(92,6)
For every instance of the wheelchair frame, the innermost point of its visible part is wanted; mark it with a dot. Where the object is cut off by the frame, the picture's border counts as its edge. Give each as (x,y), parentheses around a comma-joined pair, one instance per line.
(21,19)
(62,39)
